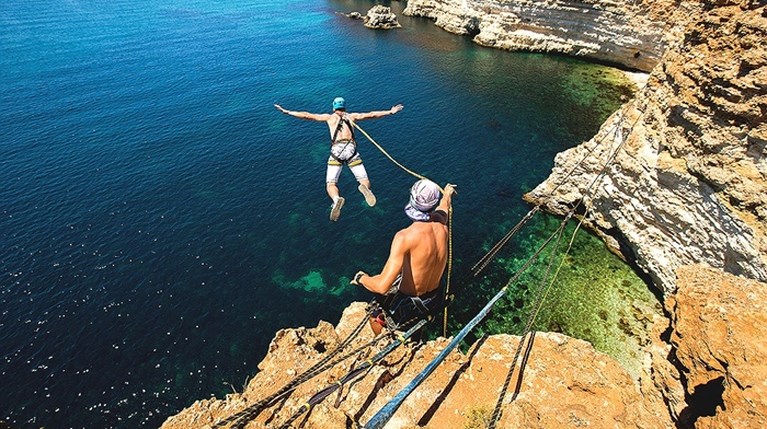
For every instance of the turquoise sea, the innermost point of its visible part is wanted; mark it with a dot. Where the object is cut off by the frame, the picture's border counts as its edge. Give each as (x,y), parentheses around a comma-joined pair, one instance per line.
(160,220)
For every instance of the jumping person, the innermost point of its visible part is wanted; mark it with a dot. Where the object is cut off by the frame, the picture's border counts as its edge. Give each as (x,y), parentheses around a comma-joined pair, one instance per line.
(343,149)
(408,286)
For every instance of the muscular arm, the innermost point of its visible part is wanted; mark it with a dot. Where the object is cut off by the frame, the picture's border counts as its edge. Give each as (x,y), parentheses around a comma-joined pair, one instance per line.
(382,282)
(321,117)
(375,114)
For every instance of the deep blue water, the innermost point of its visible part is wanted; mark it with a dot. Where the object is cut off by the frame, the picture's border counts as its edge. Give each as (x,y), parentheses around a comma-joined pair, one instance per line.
(160,220)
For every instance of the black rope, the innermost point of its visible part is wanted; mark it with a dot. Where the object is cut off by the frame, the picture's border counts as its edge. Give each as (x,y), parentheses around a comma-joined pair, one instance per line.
(544,287)
(490,255)
(354,373)
(540,292)
(253,410)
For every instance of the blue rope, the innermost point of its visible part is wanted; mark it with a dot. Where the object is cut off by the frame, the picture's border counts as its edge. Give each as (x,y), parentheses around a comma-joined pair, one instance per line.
(384,414)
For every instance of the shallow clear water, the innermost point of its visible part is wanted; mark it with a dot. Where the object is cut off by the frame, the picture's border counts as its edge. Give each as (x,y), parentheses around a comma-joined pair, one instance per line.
(160,220)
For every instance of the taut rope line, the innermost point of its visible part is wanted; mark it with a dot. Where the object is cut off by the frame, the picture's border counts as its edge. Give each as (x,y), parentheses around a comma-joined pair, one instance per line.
(450,219)
(383,151)
(485,259)
(545,288)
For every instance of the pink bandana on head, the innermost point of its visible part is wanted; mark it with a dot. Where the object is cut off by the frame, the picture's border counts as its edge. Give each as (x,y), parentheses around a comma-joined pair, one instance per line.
(424,196)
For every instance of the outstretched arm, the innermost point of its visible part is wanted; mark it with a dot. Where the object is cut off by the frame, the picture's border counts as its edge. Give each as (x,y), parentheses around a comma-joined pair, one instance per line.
(304,115)
(375,114)
(381,283)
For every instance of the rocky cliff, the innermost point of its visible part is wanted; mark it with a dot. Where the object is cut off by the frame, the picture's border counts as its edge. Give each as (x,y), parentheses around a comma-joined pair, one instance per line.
(632,33)
(565,383)
(688,182)
(713,376)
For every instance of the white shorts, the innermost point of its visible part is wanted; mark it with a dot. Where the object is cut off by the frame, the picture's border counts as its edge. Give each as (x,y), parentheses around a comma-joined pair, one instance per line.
(344,152)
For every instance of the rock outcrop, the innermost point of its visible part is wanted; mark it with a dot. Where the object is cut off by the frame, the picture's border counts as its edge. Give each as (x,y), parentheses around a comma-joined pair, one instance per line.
(712,374)
(565,383)
(381,17)
(687,181)
(631,33)
(720,340)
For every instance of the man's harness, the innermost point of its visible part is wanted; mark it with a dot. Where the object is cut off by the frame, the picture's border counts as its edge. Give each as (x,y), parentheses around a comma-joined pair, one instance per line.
(341,121)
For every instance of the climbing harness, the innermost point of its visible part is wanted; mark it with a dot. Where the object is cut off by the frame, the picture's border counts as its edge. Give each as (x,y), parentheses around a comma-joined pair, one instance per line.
(337,156)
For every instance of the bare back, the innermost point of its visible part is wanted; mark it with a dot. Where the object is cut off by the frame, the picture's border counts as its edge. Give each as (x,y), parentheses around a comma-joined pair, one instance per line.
(345,133)
(425,257)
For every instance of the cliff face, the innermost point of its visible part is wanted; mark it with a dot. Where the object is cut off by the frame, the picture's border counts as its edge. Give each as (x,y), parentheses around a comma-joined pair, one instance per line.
(565,383)
(689,183)
(719,342)
(631,33)
(719,335)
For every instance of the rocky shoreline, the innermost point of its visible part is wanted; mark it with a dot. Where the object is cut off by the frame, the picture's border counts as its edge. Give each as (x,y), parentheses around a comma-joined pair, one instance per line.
(685,199)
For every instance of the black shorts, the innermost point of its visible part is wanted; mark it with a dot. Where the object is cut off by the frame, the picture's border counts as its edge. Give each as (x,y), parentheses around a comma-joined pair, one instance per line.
(401,309)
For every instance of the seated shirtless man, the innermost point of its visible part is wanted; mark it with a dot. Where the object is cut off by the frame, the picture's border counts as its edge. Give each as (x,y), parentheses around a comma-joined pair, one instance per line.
(343,149)
(408,286)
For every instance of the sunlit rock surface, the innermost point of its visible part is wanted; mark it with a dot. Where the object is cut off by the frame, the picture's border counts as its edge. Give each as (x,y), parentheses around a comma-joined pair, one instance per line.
(688,183)
(631,33)
(565,383)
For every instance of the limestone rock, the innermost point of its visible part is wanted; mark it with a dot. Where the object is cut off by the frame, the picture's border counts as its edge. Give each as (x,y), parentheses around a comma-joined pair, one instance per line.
(720,335)
(565,383)
(632,33)
(381,17)
(355,15)
(689,181)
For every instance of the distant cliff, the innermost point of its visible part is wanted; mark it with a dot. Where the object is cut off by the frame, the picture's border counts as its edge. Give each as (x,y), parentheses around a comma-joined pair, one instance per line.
(631,33)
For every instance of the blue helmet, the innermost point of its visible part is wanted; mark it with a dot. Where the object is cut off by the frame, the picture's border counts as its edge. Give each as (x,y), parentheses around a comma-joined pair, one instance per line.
(339,103)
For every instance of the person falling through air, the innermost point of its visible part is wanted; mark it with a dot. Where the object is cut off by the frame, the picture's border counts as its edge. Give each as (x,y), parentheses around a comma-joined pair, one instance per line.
(408,287)
(343,149)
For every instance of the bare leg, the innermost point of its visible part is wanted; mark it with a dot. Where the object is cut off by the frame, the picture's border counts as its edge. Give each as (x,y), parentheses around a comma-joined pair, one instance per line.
(332,191)
(338,201)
